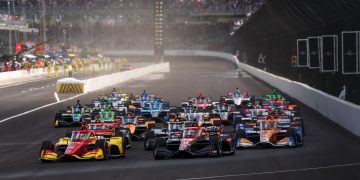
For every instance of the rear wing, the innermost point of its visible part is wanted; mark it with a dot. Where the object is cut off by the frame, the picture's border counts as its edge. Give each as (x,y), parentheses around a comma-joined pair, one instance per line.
(213,129)
(185,104)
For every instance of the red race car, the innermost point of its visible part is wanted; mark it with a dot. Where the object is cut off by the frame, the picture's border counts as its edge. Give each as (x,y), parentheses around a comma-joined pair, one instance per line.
(84,144)
(199,103)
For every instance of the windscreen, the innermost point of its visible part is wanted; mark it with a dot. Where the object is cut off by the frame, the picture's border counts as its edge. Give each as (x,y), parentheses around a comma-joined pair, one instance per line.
(176,126)
(129,120)
(189,133)
(106,116)
(265,125)
(80,136)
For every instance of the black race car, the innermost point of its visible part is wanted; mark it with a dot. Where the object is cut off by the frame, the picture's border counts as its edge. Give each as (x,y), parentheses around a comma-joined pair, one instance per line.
(195,141)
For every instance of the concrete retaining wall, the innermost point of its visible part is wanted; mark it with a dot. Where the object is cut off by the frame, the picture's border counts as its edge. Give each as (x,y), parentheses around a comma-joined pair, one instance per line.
(100,82)
(344,113)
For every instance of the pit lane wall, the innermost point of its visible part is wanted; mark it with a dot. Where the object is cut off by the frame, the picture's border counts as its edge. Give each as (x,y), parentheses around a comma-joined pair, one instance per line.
(21,73)
(36,72)
(344,113)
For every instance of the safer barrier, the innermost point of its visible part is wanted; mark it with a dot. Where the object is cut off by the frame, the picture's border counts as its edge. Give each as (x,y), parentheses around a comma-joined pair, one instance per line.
(344,113)
(70,85)
(222,55)
(100,82)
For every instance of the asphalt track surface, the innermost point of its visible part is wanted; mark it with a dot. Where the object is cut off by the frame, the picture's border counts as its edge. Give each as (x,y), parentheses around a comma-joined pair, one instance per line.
(330,152)
(16,99)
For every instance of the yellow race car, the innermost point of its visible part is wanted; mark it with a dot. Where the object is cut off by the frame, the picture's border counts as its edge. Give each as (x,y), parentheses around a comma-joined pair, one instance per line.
(84,144)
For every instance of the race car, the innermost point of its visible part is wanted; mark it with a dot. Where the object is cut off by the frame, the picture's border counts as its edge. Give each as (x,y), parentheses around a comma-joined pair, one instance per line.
(106,124)
(171,129)
(224,110)
(242,99)
(156,109)
(108,129)
(193,118)
(274,95)
(195,141)
(137,126)
(199,103)
(267,132)
(144,98)
(72,116)
(84,144)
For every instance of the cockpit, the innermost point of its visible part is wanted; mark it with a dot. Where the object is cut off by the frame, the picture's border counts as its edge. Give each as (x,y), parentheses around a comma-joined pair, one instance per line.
(80,136)
(190,133)
(266,125)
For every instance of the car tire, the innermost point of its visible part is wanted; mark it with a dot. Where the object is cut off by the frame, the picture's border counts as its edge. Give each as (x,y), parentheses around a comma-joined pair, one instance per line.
(56,120)
(123,146)
(102,144)
(46,145)
(158,142)
(148,136)
(294,135)
(240,133)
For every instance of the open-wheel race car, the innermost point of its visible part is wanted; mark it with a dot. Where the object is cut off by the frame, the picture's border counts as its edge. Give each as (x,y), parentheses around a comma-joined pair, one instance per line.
(268,132)
(84,144)
(199,103)
(137,126)
(168,129)
(195,141)
(71,116)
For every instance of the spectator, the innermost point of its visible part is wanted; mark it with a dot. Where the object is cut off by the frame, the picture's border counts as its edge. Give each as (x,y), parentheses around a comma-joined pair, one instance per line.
(343,93)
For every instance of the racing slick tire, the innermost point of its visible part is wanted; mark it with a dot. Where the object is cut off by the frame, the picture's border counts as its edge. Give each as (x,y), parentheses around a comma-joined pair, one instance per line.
(216,144)
(102,144)
(124,141)
(46,145)
(68,135)
(57,120)
(295,136)
(240,133)
(150,126)
(128,141)
(149,134)
(217,123)
(253,99)
(158,142)
(124,146)
(302,127)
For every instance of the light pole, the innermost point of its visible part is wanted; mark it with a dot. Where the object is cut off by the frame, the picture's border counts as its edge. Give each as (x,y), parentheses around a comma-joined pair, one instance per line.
(43,20)
(10,37)
(24,14)
(16,25)
(64,33)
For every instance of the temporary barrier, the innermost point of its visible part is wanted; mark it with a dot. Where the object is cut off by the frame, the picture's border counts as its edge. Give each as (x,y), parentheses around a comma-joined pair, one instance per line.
(70,85)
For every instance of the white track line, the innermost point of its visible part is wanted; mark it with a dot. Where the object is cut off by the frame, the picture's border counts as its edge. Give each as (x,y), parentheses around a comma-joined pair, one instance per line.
(42,107)
(56,97)
(273,172)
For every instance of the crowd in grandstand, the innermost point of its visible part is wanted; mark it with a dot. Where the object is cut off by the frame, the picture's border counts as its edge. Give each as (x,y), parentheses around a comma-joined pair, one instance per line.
(214,5)
(126,4)
(127,29)
(6,17)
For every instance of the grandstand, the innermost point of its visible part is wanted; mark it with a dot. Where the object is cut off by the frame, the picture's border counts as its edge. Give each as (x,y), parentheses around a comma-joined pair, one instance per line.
(113,24)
